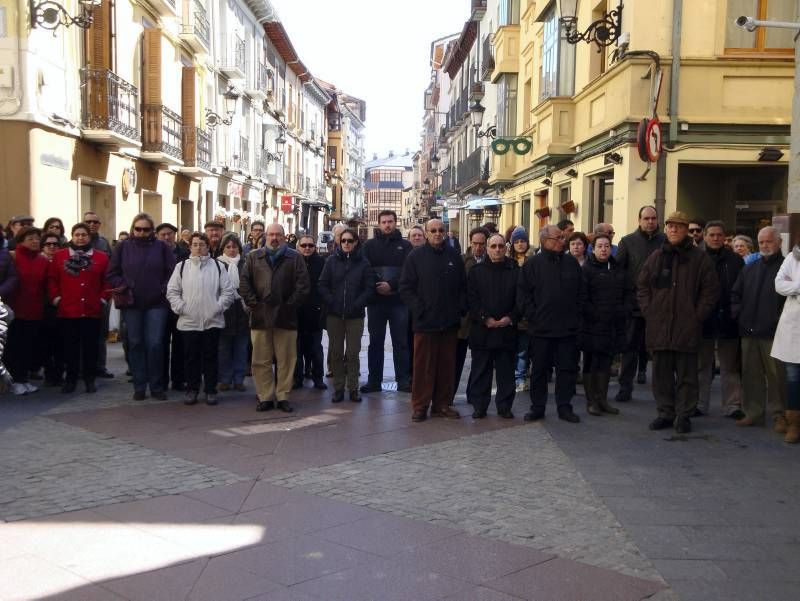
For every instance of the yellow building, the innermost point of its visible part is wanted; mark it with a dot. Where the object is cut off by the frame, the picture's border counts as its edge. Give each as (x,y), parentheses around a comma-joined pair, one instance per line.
(724,105)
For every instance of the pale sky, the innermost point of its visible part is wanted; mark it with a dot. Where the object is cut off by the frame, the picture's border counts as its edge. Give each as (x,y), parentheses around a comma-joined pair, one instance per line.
(375,50)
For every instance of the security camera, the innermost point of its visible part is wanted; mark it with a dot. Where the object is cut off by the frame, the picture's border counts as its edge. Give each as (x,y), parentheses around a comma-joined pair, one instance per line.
(748,23)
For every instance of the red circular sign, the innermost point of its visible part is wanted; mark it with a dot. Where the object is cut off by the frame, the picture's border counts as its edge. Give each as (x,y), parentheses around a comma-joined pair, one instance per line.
(653,140)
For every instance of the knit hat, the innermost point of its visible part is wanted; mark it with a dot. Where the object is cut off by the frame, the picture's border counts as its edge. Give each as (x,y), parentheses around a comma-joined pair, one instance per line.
(519,233)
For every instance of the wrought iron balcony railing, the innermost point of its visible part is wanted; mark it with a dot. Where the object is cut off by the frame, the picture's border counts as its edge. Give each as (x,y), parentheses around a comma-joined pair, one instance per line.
(198,24)
(163,130)
(487,64)
(109,103)
(196,148)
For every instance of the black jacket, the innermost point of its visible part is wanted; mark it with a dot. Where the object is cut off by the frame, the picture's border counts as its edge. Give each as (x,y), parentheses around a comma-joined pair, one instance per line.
(237,321)
(754,302)
(434,286)
(633,251)
(310,315)
(550,294)
(492,292)
(346,284)
(609,301)
(721,323)
(387,254)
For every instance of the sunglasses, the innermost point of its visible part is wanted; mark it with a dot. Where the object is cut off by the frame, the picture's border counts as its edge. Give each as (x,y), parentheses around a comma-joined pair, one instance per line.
(306,246)
(436,231)
(347,241)
(144,230)
(51,243)
(695,230)
(92,221)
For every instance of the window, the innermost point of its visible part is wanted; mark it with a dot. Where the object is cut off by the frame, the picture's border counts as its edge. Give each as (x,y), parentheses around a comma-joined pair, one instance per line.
(508,12)
(557,70)
(763,39)
(507,106)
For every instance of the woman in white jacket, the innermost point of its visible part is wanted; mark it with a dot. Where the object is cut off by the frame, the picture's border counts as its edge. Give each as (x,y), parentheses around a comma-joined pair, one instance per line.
(786,344)
(199,292)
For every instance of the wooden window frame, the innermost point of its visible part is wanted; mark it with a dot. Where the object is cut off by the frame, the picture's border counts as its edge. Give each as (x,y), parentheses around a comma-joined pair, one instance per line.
(760,36)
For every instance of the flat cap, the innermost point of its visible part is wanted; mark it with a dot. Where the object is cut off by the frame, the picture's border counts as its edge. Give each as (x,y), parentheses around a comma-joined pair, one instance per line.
(677,217)
(21,218)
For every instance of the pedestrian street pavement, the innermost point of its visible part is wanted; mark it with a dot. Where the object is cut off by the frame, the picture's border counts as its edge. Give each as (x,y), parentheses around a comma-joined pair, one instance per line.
(105,498)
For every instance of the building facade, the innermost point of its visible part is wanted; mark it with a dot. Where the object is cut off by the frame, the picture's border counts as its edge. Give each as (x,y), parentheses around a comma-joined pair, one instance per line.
(386,181)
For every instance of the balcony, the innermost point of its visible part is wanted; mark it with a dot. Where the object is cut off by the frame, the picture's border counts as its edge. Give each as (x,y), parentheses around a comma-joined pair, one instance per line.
(234,61)
(506,51)
(164,8)
(471,172)
(109,109)
(258,84)
(478,10)
(241,159)
(476,91)
(503,168)
(163,135)
(555,126)
(487,65)
(195,29)
(196,152)
(446,184)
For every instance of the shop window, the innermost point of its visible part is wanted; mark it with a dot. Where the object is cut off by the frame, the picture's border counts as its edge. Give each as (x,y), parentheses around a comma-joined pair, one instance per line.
(768,40)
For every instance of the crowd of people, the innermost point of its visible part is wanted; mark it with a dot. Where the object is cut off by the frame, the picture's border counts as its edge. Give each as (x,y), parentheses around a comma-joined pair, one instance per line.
(201,310)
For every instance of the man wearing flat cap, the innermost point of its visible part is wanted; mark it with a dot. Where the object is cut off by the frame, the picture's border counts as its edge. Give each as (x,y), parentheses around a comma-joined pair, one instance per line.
(677,290)
(15,225)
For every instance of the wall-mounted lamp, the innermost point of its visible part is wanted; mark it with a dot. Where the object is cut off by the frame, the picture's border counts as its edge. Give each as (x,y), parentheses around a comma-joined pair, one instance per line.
(547,181)
(51,15)
(476,115)
(213,118)
(613,158)
(603,32)
(572,172)
(770,153)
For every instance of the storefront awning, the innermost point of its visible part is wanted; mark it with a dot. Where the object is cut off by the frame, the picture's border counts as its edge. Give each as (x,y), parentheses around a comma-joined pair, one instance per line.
(478,204)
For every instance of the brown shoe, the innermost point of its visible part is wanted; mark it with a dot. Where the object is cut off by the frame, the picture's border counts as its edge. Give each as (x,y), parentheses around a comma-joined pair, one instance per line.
(419,416)
(780,426)
(446,412)
(793,429)
(746,422)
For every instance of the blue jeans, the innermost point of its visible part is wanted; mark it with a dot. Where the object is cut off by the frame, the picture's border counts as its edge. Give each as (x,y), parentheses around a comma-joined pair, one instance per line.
(792,386)
(397,316)
(523,360)
(145,333)
(233,358)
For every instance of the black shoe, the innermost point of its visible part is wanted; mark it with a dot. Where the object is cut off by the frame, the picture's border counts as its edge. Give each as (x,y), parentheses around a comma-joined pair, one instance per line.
(104,373)
(211,398)
(128,372)
(139,396)
(355,397)
(641,377)
(179,386)
(68,387)
(404,388)
(506,414)
(683,425)
(660,423)
(285,406)
(738,414)
(371,388)
(297,384)
(697,413)
(534,415)
(338,396)
(161,395)
(35,375)
(265,406)
(419,416)
(320,385)
(568,415)
(623,396)
(90,387)
(191,397)
(478,414)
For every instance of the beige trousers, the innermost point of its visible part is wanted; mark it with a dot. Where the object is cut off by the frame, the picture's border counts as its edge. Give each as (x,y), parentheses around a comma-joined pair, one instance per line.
(762,378)
(282,346)
(729,370)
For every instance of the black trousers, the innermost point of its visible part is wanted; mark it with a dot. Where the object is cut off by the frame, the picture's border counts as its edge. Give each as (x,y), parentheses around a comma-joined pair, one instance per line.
(21,353)
(461,357)
(309,356)
(635,355)
(173,353)
(80,347)
(675,385)
(51,351)
(546,353)
(201,355)
(485,364)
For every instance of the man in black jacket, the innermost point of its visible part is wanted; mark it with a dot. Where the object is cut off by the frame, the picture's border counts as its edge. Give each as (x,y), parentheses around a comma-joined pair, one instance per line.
(550,296)
(720,330)
(433,285)
(758,307)
(632,252)
(492,293)
(387,253)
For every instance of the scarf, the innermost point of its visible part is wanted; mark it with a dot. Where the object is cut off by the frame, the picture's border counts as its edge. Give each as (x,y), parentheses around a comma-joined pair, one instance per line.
(233,270)
(273,256)
(80,259)
(663,278)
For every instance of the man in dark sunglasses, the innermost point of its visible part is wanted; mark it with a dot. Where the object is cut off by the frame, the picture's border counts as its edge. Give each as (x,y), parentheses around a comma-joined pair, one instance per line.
(433,285)
(91,219)
(696,227)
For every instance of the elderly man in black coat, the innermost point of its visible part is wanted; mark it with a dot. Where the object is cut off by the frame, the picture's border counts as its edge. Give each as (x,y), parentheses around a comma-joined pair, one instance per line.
(492,292)
(550,296)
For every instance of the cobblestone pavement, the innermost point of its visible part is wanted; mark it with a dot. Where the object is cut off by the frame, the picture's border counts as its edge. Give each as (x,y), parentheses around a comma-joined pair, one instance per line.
(514,485)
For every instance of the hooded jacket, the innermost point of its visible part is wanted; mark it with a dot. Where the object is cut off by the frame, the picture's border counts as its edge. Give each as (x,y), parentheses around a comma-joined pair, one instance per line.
(347,284)
(200,295)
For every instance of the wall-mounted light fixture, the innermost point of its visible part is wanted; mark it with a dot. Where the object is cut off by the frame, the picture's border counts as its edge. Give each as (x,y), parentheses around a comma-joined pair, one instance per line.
(476,115)
(547,181)
(51,15)
(770,153)
(612,158)
(603,32)
(230,96)
(572,172)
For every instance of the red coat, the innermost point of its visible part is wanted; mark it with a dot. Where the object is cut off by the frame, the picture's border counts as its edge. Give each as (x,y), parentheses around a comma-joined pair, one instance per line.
(29,300)
(80,294)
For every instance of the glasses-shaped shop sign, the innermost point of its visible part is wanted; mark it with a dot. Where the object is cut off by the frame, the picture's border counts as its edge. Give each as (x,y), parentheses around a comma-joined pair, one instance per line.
(520,146)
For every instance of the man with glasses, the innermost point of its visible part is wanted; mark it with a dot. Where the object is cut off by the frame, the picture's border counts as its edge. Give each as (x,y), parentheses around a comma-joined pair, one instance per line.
(274,284)
(256,237)
(433,285)
(631,255)
(550,295)
(91,219)
(387,253)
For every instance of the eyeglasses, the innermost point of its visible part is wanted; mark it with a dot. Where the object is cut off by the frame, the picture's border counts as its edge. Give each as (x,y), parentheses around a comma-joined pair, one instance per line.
(436,231)
(92,221)
(694,230)
(310,245)
(51,243)
(497,246)
(347,241)
(143,230)
(556,238)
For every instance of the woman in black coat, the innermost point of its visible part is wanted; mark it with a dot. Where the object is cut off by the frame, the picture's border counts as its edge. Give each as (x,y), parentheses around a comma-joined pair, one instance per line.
(608,303)
(346,285)
(310,320)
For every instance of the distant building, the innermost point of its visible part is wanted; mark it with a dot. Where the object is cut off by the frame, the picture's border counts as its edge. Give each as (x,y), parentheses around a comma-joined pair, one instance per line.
(384,182)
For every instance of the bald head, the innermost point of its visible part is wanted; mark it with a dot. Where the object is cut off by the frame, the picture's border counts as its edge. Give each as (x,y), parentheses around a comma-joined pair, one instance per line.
(769,241)
(434,232)
(551,238)
(276,235)
(604,229)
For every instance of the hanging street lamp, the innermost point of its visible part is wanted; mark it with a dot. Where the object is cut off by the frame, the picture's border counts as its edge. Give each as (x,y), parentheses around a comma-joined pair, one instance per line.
(605,31)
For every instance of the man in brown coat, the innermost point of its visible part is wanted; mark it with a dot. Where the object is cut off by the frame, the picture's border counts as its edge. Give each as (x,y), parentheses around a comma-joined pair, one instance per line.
(273,284)
(677,289)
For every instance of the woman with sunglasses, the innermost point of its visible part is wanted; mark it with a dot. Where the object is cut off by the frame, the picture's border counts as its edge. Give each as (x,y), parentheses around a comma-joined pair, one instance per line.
(54,225)
(346,286)
(310,320)
(77,286)
(139,272)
